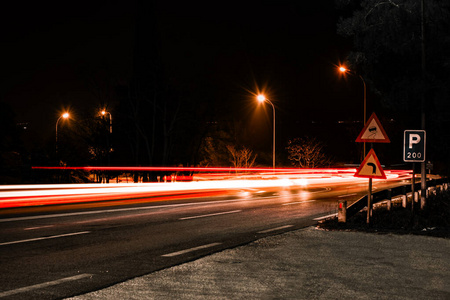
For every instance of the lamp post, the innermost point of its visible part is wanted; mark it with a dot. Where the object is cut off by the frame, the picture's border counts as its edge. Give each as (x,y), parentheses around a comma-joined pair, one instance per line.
(64,116)
(104,112)
(345,70)
(261,99)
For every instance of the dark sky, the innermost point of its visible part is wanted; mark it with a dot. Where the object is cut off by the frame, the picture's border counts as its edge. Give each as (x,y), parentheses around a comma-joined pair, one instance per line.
(289,48)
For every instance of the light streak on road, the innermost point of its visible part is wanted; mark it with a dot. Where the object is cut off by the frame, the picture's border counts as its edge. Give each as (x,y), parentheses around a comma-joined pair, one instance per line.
(253,178)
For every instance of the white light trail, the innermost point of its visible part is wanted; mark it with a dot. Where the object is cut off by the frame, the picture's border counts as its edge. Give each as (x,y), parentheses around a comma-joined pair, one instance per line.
(29,195)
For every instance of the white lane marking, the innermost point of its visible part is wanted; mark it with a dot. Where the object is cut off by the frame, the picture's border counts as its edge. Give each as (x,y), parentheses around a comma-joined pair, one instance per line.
(275,229)
(191,250)
(39,227)
(342,196)
(325,217)
(211,215)
(43,285)
(298,202)
(44,238)
(127,209)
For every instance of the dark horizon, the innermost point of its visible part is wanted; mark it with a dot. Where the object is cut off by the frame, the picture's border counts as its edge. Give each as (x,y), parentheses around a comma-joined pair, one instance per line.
(205,64)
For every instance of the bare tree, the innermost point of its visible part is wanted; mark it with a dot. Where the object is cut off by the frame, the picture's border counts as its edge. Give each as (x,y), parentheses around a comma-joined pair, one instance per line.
(307,153)
(243,158)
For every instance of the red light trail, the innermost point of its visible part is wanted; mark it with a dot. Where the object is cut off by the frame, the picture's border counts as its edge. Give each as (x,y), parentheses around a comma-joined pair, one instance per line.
(205,182)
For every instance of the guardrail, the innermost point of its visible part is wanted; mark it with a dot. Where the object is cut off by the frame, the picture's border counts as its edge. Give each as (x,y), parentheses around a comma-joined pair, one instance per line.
(386,196)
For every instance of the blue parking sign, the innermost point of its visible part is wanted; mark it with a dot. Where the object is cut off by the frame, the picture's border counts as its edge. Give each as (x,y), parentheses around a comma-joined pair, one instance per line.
(414,146)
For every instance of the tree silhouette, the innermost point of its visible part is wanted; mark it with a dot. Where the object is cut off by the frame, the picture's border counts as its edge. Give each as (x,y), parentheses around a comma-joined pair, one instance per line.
(403,52)
(307,153)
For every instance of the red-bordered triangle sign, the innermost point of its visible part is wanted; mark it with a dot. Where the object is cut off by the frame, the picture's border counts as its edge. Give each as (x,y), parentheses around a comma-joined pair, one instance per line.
(370,167)
(373,132)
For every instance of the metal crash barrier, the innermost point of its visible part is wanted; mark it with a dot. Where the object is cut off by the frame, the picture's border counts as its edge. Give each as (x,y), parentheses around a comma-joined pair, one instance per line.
(386,196)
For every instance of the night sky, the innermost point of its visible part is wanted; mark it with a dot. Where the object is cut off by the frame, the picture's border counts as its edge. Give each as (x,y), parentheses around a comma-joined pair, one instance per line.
(52,50)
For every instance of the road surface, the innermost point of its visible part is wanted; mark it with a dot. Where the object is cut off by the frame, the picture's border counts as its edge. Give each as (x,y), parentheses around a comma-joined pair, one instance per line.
(57,251)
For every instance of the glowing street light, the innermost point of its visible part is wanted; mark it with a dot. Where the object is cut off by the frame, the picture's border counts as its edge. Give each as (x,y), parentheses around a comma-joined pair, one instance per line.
(104,112)
(64,116)
(261,99)
(344,70)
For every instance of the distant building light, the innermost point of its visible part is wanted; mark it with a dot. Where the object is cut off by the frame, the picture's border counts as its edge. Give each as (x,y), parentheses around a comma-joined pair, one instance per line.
(23,125)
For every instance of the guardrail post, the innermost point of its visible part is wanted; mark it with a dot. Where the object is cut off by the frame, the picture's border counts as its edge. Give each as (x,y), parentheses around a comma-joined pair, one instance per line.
(389,199)
(404,197)
(342,211)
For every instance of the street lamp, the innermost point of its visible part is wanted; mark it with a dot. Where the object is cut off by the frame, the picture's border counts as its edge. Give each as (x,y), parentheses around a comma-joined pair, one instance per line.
(104,112)
(344,70)
(64,116)
(261,99)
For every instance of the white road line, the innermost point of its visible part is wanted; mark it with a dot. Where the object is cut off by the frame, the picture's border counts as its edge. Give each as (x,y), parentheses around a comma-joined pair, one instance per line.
(39,227)
(211,215)
(275,229)
(44,238)
(43,285)
(342,196)
(190,250)
(298,202)
(325,217)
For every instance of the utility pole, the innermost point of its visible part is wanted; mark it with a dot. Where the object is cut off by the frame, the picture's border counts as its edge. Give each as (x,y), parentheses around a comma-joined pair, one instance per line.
(423,173)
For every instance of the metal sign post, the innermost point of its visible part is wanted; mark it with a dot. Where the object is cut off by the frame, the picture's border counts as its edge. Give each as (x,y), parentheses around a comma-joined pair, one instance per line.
(370,168)
(414,146)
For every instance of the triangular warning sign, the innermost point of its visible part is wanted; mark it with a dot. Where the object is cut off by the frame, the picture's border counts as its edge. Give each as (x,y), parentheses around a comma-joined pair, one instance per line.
(370,167)
(373,132)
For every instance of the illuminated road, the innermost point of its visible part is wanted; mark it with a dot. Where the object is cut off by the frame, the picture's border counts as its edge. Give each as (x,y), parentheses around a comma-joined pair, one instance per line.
(55,251)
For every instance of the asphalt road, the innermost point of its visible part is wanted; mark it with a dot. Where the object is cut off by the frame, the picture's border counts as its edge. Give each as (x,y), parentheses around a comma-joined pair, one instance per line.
(54,252)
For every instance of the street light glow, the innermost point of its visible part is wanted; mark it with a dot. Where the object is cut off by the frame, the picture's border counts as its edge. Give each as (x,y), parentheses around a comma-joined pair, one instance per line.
(342,69)
(65,115)
(261,98)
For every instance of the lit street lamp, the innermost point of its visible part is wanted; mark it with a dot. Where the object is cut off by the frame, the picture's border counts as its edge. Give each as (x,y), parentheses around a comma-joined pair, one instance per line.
(64,116)
(344,71)
(104,112)
(261,99)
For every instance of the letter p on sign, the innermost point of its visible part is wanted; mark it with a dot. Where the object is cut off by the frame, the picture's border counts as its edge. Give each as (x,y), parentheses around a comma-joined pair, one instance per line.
(414,146)
(413,139)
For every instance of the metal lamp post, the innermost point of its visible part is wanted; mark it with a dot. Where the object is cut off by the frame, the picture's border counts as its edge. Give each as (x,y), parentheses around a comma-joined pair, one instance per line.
(104,112)
(261,99)
(64,116)
(345,70)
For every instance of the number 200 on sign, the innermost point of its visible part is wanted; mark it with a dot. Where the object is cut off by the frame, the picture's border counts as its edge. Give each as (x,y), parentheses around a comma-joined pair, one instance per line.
(413,155)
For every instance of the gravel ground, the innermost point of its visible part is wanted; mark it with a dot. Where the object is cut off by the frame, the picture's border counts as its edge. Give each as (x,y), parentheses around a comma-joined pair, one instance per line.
(305,264)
